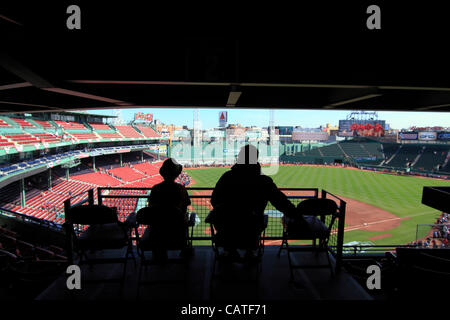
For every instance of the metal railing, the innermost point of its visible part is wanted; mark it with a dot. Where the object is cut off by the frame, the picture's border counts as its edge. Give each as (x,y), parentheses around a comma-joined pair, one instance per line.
(30,219)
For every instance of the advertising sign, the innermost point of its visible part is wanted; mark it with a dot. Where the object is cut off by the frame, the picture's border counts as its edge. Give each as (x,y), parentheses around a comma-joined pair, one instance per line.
(427,136)
(408,135)
(362,128)
(445,136)
(223,119)
(143,116)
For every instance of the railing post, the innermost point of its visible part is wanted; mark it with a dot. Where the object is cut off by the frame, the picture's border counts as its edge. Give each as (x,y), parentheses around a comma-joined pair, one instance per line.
(99,196)
(69,231)
(91,196)
(340,235)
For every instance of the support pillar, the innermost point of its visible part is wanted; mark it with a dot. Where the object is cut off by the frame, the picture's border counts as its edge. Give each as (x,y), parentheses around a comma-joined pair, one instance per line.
(93,163)
(67,174)
(49,179)
(120,159)
(22,193)
(142,155)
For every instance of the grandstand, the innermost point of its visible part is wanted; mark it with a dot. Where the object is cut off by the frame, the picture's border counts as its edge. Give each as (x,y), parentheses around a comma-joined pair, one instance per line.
(23,123)
(431,157)
(70,125)
(22,138)
(126,174)
(98,179)
(406,154)
(148,132)
(100,126)
(129,132)
(44,124)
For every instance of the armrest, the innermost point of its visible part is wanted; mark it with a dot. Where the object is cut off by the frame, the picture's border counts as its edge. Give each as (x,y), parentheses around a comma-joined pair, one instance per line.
(266,220)
(209,218)
(192,217)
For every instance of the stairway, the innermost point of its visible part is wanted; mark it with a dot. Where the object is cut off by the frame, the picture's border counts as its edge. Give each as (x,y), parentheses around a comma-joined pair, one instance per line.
(393,156)
(340,147)
(417,158)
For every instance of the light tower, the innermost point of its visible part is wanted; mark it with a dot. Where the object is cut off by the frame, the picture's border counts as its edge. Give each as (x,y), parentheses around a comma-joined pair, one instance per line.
(196,136)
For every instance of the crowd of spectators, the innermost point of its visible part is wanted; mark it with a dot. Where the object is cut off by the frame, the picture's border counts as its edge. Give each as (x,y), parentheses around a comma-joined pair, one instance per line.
(440,235)
(183,179)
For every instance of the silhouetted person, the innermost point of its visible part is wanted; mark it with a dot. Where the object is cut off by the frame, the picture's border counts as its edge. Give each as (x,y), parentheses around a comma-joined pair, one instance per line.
(169,194)
(239,200)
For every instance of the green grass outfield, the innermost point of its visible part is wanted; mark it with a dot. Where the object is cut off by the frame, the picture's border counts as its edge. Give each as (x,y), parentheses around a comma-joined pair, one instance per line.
(400,195)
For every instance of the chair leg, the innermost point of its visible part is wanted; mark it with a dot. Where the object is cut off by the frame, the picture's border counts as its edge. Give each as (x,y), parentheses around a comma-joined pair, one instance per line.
(329,262)
(213,275)
(290,264)
(283,242)
(139,279)
(124,275)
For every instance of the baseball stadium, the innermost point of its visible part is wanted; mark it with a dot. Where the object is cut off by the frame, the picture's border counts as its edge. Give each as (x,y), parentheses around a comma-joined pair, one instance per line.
(54,161)
(230,168)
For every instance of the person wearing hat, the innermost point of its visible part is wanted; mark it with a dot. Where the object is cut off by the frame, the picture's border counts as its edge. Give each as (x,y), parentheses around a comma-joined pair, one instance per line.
(169,192)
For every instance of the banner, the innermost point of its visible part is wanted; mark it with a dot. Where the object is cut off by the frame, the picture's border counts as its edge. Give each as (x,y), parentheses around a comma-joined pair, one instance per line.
(362,128)
(309,136)
(445,136)
(427,136)
(162,150)
(408,135)
(143,116)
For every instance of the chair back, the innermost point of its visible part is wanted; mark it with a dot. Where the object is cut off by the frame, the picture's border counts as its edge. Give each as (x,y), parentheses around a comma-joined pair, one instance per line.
(92,214)
(317,207)
(236,227)
(167,225)
(157,215)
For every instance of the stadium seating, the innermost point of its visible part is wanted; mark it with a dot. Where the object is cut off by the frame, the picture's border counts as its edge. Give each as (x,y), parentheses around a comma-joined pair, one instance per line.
(110,135)
(148,132)
(4,124)
(354,150)
(11,242)
(70,125)
(23,123)
(5,142)
(331,150)
(100,126)
(44,124)
(84,135)
(147,168)
(22,138)
(127,174)
(373,149)
(46,137)
(389,149)
(407,154)
(97,178)
(129,132)
(431,157)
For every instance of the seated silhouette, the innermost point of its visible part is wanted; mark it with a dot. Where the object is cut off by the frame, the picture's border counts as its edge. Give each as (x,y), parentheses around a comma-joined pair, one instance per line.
(170,195)
(239,200)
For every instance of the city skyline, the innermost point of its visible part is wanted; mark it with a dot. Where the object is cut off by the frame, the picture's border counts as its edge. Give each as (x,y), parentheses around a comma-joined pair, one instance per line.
(209,118)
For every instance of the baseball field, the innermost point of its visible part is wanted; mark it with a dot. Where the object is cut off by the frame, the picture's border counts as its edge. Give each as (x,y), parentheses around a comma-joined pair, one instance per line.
(381,208)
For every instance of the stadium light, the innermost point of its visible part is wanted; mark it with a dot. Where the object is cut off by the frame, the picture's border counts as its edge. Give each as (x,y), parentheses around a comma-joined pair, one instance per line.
(234,95)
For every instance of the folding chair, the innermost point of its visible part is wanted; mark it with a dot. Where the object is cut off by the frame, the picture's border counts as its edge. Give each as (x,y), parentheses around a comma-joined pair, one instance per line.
(231,231)
(167,230)
(104,232)
(307,226)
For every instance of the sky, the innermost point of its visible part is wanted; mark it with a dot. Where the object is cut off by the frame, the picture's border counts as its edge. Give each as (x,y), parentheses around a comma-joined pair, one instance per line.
(260,117)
